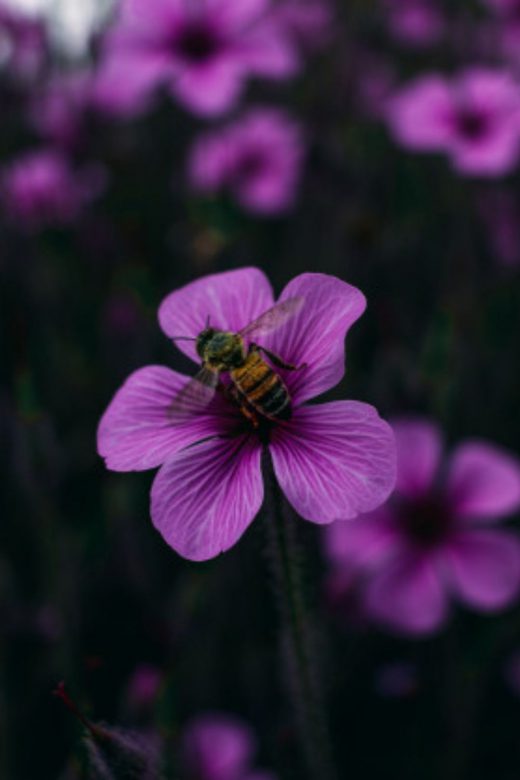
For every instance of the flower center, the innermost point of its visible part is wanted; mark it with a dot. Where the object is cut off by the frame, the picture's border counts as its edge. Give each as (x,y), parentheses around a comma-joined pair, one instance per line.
(198,42)
(251,164)
(425,522)
(472,124)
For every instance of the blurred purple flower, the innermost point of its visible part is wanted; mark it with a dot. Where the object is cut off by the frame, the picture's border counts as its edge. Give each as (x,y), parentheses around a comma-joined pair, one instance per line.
(427,543)
(58,109)
(331,460)
(508,19)
(257,159)
(40,188)
(415,23)
(144,685)
(203,52)
(309,22)
(474,118)
(500,213)
(23,43)
(217,746)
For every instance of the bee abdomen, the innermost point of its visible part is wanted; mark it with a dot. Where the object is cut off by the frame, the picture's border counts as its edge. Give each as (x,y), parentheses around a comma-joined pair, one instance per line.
(265,390)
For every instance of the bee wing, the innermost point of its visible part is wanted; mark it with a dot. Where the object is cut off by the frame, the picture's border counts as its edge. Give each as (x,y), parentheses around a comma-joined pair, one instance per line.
(272,318)
(194,396)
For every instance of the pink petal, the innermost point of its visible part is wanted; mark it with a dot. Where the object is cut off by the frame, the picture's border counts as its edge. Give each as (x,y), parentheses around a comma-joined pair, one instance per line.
(419,450)
(494,156)
(267,50)
(484,568)
(206,496)
(420,114)
(407,595)
(231,300)
(209,90)
(217,747)
(483,482)
(126,81)
(316,334)
(236,15)
(136,432)
(334,460)
(364,542)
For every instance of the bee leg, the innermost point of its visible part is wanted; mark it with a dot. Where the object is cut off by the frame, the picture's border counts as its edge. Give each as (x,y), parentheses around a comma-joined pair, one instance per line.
(278,361)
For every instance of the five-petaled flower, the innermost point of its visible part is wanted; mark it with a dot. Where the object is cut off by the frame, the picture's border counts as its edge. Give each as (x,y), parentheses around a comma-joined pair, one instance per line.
(473,117)
(332,460)
(428,542)
(203,52)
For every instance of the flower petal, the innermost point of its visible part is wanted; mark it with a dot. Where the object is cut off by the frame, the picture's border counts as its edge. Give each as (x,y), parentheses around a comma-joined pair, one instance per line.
(231,300)
(365,542)
(126,81)
(217,747)
(407,595)
(419,450)
(316,334)
(420,114)
(208,90)
(483,482)
(334,460)
(136,432)
(484,568)
(206,496)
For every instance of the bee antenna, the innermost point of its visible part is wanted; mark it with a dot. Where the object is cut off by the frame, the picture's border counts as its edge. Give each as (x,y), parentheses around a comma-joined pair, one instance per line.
(207,321)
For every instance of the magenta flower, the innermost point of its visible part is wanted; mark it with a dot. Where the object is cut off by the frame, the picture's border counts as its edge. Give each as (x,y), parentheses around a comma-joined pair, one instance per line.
(430,541)
(58,109)
(256,158)
(331,460)
(202,52)
(415,23)
(41,188)
(474,118)
(217,746)
(23,43)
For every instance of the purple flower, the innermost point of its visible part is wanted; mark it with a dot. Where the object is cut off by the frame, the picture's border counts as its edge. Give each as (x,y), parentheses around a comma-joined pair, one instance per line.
(474,118)
(217,746)
(416,23)
(309,22)
(23,44)
(331,460)
(430,541)
(500,214)
(256,158)
(58,109)
(203,52)
(41,188)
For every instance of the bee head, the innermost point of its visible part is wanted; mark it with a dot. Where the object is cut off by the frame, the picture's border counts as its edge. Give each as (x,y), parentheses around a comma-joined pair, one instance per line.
(203,339)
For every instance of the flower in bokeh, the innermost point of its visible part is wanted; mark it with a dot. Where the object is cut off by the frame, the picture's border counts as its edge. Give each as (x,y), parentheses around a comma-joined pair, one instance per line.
(256,158)
(58,108)
(508,19)
(203,52)
(429,541)
(23,43)
(144,685)
(474,118)
(309,22)
(500,214)
(217,746)
(331,460)
(41,188)
(415,23)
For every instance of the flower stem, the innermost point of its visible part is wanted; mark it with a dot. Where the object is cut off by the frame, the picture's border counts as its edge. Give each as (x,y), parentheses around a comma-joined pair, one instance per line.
(286,557)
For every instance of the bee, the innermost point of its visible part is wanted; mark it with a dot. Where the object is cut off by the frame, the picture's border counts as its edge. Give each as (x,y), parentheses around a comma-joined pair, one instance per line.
(256,388)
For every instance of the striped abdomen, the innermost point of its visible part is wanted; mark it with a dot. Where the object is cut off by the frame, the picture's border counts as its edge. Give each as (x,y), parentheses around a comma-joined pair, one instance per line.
(262,387)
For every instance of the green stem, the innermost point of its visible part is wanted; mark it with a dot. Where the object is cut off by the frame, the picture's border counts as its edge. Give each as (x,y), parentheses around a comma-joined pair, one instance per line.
(296,637)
